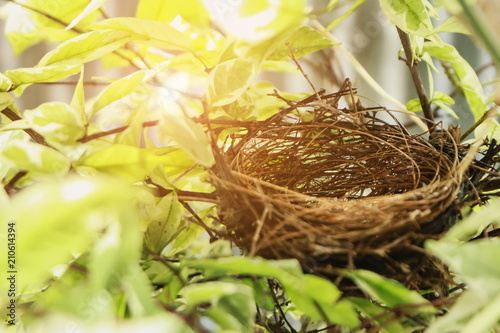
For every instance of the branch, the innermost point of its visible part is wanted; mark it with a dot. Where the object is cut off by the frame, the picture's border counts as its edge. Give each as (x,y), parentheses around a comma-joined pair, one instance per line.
(417,79)
(10,186)
(94,136)
(9,113)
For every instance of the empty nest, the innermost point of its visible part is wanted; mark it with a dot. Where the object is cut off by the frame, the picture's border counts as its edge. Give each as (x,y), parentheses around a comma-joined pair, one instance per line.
(340,188)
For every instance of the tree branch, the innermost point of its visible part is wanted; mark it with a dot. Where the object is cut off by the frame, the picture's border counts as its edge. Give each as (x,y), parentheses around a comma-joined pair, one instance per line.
(417,79)
(9,113)
(94,136)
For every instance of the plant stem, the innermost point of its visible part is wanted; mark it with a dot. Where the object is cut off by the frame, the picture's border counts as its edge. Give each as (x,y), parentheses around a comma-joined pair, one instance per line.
(94,136)
(9,113)
(417,79)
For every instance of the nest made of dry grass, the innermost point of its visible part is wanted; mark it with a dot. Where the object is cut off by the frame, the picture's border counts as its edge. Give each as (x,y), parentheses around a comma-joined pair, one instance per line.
(339,188)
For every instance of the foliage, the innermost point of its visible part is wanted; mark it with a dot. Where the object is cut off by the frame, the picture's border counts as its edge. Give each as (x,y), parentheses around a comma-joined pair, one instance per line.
(109,195)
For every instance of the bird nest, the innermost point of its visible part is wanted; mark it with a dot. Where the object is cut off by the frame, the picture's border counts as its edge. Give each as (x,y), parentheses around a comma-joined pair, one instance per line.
(340,188)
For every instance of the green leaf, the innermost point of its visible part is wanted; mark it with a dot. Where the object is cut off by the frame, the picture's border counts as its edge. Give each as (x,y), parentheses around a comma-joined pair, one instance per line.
(6,100)
(5,84)
(303,41)
(441,99)
(165,223)
(129,162)
(117,90)
(441,96)
(372,310)
(186,238)
(56,122)
(467,305)
(389,292)
(452,24)
(33,157)
(91,7)
(307,292)
(189,135)
(475,223)
(193,11)
(260,40)
(149,32)
(78,100)
(228,81)
(342,17)
(475,263)
(86,47)
(468,78)
(26,27)
(414,105)
(411,16)
(233,303)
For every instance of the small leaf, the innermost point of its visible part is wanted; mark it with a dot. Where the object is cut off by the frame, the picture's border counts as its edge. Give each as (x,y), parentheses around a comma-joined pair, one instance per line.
(475,223)
(117,90)
(33,157)
(78,99)
(446,108)
(342,17)
(56,122)
(86,47)
(91,7)
(303,41)
(389,292)
(468,78)
(409,15)
(184,131)
(414,105)
(5,84)
(228,81)
(372,310)
(452,24)
(6,100)
(186,238)
(193,11)
(472,261)
(441,96)
(166,224)
(129,162)
(149,32)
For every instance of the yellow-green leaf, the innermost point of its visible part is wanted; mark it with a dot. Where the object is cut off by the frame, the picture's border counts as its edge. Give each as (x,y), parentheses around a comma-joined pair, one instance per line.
(389,292)
(228,81)
(56,122)
(116,90)
(410,16)
(129,162)
(86,47)
(185,132)
(78,100)
(25,27)
(303,41)
(165,223)
(149,32)
(5,84)
(53,73)
(193,11)
(33,157)
(6,100)
(91,7)
(472,87)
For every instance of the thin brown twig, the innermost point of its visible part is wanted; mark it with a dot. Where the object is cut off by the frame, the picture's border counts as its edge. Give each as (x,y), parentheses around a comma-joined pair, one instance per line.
(37,137)
(292,56)
(98,135)
(417,79)
(10,186)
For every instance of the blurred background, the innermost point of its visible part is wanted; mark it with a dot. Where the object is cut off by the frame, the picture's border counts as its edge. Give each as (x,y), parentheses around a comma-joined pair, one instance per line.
(366,34)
